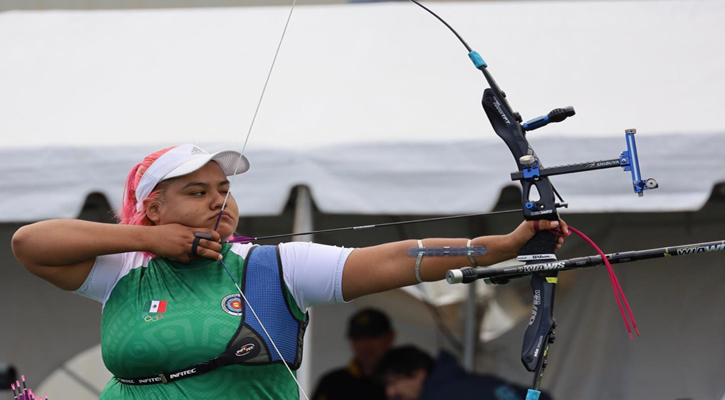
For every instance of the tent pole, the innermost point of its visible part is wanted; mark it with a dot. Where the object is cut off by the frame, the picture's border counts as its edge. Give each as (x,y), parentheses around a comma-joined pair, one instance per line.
(303,214)
(471,329)
(303,222)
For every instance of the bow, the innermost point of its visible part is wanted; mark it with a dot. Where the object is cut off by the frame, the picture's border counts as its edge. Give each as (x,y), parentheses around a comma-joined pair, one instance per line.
(539,202)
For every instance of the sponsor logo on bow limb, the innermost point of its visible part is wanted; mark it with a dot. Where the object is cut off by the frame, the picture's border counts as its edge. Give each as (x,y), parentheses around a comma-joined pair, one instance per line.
(701,249)
(538,346)
(535,309)
(500,111)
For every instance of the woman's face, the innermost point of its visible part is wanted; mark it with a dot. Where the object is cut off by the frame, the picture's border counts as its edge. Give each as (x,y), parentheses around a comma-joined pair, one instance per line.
(195,200)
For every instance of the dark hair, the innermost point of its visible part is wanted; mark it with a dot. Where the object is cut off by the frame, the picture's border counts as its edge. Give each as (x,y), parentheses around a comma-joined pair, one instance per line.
(404,360)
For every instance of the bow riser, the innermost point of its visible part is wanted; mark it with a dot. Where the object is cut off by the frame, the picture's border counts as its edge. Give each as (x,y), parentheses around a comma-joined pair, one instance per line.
(540,329)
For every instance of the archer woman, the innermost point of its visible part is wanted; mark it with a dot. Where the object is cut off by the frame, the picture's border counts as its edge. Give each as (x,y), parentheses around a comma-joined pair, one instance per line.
(189,315)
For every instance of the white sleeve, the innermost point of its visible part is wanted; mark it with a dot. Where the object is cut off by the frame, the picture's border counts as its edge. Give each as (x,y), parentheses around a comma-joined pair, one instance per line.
(313,272)
(107,271)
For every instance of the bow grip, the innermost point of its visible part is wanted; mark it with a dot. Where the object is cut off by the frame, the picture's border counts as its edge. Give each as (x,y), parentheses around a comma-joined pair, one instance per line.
(539,247)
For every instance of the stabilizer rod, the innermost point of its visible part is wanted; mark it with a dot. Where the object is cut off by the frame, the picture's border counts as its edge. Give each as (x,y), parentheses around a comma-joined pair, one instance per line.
(501,275)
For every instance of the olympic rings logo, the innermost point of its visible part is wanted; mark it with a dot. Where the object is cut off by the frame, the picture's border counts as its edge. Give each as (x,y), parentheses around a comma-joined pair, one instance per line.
(152,317)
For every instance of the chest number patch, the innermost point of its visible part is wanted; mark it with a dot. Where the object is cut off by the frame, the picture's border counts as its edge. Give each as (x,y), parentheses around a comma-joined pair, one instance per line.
(233,305)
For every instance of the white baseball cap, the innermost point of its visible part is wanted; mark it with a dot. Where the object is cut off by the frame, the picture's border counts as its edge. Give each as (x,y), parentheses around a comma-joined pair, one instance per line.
(183,160)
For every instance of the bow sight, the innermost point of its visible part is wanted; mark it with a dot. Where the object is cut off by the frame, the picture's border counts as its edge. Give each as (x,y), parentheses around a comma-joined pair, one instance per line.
(538,202)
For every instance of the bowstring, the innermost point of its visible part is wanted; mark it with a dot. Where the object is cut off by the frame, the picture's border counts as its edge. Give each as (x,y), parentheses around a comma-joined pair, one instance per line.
(256,111)
(231,182)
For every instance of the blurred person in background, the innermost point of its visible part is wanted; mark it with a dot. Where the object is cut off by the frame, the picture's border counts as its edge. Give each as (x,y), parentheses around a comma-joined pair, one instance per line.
(370,335)
(408,373)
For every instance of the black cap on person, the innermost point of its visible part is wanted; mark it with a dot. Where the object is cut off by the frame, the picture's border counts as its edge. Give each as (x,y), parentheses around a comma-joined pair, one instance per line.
(368,322)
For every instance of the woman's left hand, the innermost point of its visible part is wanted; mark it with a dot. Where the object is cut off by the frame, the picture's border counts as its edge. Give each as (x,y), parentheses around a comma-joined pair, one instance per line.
(528,229)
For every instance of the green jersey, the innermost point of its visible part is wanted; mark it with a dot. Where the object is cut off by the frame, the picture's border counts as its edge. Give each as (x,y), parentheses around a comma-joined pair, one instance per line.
(161,316)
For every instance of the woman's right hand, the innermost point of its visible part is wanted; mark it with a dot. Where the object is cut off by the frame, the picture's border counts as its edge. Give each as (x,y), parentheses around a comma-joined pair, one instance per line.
(176,242)
(64,251)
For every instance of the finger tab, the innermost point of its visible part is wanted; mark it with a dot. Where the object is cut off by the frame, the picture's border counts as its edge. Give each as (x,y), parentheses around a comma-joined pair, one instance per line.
(195,246)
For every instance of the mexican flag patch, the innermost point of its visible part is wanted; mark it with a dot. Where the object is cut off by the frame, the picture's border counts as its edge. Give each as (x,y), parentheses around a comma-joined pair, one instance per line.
(156,306)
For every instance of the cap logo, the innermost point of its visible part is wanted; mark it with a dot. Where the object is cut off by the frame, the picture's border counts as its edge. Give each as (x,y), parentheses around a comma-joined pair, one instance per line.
(363,319)
(196,150)
(368,323)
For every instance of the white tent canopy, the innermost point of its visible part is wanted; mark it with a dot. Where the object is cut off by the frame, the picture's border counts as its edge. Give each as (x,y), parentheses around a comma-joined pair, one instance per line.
(375,107)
